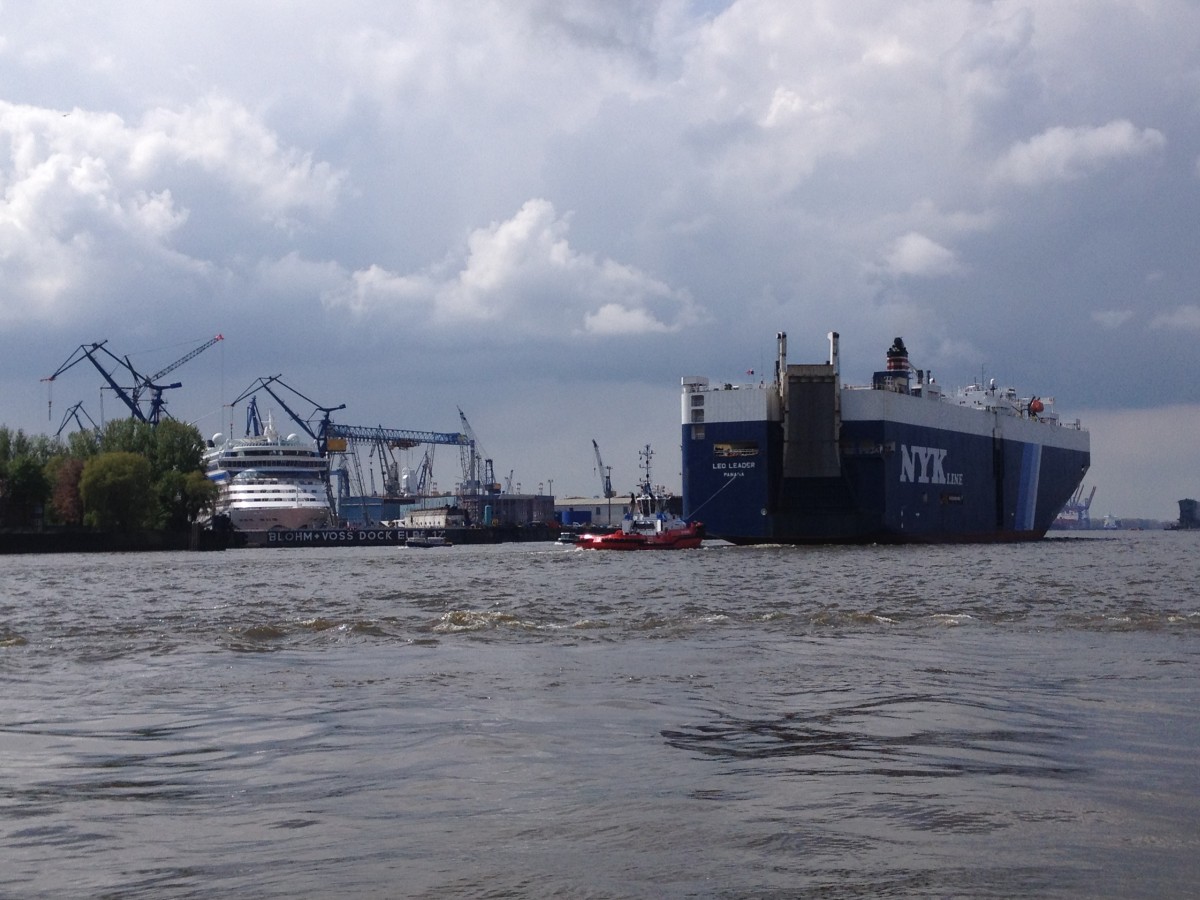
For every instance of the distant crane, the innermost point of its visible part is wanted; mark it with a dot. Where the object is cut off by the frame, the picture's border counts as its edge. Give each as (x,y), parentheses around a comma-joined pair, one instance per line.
(424,474)
(321,432)
(90,353)
(606,487)
(151,383)
(333,438)
(479,475)
(73,413)
(1077,511)
(131,396)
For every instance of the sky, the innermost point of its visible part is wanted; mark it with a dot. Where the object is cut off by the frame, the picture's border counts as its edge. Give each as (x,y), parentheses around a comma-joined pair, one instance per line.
(546,212)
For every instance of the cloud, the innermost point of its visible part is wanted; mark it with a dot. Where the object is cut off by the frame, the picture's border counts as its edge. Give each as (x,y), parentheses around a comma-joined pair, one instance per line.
(294,276)
(915,254)
(87,194)
(1067,154)
(1182,318)
(1112,318)
(223,139)
(522,277)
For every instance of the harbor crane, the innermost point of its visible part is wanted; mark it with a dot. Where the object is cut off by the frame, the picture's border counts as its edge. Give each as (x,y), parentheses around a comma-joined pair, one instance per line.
(151,384)
(606,487)
(73,413)
(1077,511)
(424,474)
(479,475)
(319,432)
(334,438)
(131,396)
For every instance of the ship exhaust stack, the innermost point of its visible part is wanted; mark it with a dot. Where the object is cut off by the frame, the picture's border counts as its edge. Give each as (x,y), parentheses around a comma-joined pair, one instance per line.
(898,374)
(833,353)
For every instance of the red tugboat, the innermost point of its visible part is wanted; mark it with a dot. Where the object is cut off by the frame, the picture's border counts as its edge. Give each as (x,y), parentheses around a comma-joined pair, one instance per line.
(648,525)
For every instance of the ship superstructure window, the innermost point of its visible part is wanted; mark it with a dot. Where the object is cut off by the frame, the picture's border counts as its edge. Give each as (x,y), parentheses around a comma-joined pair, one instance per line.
(697,416)
(697,432)
(697,400)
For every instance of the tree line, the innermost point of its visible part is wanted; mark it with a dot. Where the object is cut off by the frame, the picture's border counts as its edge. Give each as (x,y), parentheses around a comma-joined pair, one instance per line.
(127,476)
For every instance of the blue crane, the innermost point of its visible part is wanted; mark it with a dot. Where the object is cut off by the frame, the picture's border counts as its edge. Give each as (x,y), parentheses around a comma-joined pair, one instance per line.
(151,384)
(73,413)
(332,437)
(132,396)
(91,352)
(326,431)
(318,432)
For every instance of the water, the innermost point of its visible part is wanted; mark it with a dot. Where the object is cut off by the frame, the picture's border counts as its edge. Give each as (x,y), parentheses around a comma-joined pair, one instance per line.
(538,721)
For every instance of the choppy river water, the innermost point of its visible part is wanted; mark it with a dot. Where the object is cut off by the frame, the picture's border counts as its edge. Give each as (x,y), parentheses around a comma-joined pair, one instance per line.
(529,720)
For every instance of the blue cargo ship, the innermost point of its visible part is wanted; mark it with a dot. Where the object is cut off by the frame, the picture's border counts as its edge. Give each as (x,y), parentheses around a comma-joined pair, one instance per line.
(807,459)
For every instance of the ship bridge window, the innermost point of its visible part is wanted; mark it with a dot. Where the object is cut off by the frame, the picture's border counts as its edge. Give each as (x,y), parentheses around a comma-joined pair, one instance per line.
(697,400)
(697,416)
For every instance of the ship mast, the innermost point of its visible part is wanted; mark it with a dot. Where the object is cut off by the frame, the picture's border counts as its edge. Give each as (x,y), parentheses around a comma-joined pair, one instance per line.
(781,361)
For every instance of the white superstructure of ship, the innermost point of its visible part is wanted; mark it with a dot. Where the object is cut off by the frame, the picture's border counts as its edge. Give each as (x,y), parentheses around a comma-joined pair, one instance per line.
(267,481)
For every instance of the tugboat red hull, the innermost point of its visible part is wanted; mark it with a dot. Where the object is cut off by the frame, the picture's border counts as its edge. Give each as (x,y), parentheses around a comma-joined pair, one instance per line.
(688,538)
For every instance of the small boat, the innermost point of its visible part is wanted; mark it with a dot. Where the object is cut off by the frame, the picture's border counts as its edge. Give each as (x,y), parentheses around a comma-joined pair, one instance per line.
(649,524)
(427,540)
(567,537)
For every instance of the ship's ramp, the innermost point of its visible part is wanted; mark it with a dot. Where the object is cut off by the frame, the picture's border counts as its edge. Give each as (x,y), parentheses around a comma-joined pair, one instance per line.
(812,423)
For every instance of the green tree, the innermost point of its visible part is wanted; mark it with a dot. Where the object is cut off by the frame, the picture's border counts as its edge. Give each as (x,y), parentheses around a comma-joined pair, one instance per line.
(43,449)
(117,492)
(24,482)
(183,497)
(83,444)
(176,461)
(177,448)
(25,489)
(200,495)
(94,478)
(128,435)
(12,444)
(175,452)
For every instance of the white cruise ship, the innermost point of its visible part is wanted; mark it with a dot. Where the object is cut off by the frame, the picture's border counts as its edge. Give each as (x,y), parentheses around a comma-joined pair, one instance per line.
(266,481)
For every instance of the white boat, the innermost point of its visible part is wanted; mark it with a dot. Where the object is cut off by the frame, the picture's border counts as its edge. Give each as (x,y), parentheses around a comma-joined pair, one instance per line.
(426,540)
(266,481)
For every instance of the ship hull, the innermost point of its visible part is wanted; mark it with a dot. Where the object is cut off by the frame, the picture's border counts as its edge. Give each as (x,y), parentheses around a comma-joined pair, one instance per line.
(266,518)
(872,466)
(688,538)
